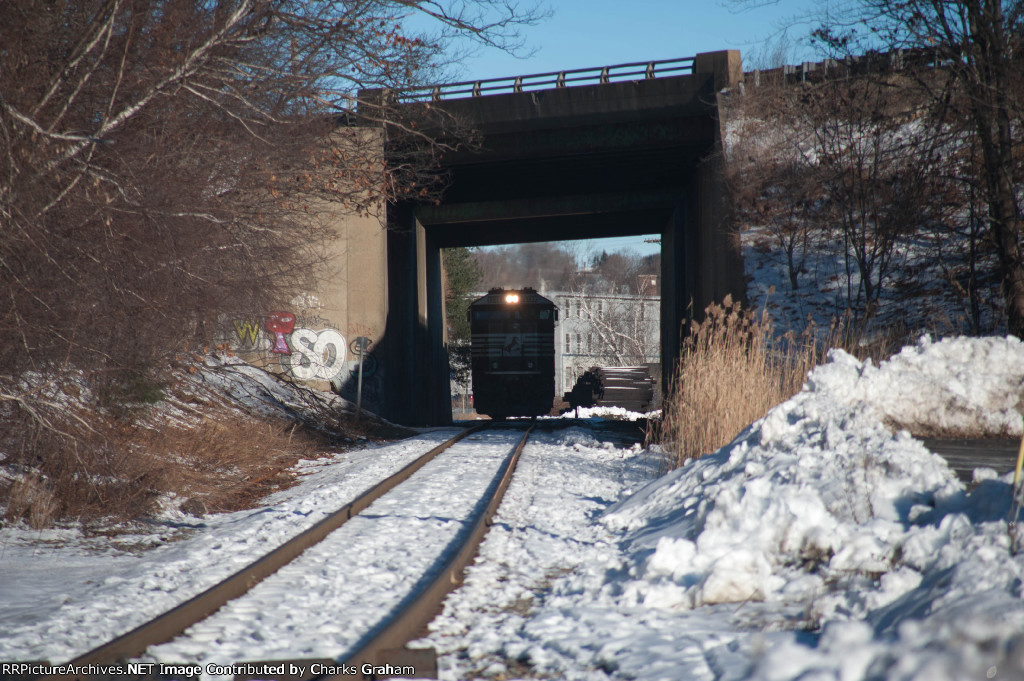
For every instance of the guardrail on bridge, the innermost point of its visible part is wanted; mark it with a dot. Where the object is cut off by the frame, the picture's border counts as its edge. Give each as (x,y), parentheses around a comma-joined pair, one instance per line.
(644,70)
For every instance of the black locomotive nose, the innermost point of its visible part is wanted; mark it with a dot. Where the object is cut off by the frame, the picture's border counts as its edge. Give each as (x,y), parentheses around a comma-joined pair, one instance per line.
(513,353)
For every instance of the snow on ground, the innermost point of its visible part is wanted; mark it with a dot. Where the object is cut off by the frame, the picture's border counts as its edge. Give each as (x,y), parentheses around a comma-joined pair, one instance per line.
(365,568)
(545,530)
(817,546)
(606,412)
(92,591)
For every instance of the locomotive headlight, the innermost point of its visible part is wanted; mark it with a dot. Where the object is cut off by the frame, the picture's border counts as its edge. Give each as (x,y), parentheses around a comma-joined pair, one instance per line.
(512,298)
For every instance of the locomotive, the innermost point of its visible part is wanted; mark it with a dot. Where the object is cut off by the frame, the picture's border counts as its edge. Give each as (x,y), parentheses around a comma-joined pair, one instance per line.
(513,353)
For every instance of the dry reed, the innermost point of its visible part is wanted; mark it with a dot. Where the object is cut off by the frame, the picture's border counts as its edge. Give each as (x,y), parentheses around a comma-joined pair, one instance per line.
(733,369)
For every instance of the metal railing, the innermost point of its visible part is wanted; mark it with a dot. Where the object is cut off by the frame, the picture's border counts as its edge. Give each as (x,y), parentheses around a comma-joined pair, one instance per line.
(643,70)
(871,62)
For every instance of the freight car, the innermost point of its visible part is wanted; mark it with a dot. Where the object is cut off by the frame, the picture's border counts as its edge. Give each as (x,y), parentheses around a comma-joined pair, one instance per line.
(513,353)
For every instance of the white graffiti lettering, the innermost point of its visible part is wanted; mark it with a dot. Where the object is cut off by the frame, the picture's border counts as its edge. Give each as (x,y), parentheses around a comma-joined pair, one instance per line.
(316,354)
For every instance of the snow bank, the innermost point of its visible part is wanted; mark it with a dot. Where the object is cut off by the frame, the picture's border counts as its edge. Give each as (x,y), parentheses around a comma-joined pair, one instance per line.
(816,483)
(974,386)
(820,510)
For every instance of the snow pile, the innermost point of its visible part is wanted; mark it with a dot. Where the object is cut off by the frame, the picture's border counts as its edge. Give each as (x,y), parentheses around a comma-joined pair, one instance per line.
(818,509)
(971,385)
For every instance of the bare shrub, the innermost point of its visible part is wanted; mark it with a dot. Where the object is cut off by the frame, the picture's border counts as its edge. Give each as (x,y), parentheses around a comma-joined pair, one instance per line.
(74,465)
(31,498)
(227,463)
(87,465)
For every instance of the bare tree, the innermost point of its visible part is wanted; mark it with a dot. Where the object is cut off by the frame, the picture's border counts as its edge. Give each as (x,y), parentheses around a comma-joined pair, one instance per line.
(878,170)
(161,160)
(965,255)
(166,164)
(977,42)
(540,265)
(853,161)
(614,322)
(768,177)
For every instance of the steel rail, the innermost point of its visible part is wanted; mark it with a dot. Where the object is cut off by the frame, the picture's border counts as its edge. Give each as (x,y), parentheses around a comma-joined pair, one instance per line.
(170,624)
(410,623)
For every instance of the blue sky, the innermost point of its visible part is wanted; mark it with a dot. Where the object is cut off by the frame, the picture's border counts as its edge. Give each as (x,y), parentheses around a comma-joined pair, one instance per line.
(586,33)
(583,33)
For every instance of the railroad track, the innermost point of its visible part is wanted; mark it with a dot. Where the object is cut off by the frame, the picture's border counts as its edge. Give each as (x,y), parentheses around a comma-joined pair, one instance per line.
(381,649)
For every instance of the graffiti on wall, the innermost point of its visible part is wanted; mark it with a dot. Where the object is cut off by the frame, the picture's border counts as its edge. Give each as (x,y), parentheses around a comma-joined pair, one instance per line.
(248,331)
(305,354)
(373,380)
(369,362)
(357,329)
(280,324)
(316,354)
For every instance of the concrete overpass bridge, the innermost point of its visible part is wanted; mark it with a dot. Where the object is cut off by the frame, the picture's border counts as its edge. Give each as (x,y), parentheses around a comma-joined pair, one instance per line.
(634,151)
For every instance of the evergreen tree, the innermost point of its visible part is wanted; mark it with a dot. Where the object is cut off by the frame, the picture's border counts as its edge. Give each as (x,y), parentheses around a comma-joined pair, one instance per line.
(462,277)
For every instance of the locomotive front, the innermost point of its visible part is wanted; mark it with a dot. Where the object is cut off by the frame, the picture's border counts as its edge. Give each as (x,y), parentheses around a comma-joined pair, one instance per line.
(513,354)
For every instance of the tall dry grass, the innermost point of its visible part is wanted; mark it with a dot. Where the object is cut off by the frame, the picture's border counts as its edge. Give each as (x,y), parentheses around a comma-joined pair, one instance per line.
(106,470)
(141,446)
(733,369)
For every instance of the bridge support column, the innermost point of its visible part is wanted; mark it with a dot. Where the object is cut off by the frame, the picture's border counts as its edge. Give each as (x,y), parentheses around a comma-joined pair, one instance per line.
(678,286)
(727,65)
(418,386)
(701,261)
(432,370)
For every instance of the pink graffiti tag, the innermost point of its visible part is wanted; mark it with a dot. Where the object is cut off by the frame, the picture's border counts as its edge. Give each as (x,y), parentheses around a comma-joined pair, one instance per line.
(280,323)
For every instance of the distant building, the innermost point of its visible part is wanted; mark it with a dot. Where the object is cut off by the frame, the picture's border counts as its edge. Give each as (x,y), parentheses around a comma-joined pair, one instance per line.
(604,330)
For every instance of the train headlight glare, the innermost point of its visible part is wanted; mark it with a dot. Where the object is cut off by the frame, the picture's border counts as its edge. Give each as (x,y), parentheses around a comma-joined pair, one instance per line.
(512,298)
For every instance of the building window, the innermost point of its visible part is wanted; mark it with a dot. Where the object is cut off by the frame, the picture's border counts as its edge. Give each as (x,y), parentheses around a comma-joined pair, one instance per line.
(568,348)
(578,344)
